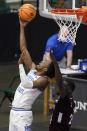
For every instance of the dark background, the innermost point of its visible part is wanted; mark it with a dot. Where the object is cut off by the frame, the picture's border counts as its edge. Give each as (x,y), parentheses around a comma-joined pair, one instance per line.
(37,33)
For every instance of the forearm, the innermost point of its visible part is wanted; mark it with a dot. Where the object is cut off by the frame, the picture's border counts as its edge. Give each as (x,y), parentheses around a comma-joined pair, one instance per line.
(23,44)
(69,58)
(23,47)
(27,60)
(69,62)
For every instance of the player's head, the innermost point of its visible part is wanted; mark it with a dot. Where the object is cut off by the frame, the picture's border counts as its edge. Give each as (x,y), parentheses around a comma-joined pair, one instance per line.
(69,86)
(49,71)
(63,33)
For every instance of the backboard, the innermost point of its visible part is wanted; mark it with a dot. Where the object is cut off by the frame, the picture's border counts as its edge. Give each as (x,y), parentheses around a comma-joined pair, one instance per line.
(45,5)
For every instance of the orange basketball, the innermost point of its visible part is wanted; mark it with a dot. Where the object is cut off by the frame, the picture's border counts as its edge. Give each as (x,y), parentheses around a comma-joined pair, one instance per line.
(27,12)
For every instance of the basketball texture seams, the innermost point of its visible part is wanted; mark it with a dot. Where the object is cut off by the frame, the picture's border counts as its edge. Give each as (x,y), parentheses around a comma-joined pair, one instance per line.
(27,12)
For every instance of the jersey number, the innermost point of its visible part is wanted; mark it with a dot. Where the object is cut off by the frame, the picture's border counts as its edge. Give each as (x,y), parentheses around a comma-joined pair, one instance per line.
(59,120)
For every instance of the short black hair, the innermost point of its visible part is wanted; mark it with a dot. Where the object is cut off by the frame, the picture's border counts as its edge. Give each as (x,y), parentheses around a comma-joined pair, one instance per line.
(50,71)
(69,85)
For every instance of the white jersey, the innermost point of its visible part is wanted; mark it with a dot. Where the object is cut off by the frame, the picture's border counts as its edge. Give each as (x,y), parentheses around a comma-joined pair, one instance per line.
(25,97)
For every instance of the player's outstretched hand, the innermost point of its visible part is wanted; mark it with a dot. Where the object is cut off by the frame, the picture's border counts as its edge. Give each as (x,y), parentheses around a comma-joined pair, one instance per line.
(22,23)
(68,68)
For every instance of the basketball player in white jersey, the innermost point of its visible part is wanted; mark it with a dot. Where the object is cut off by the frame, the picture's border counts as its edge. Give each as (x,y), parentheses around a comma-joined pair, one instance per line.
(30,87)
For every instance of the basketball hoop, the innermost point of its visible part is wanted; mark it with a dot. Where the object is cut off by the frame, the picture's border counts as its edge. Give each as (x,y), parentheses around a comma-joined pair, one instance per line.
(71,18)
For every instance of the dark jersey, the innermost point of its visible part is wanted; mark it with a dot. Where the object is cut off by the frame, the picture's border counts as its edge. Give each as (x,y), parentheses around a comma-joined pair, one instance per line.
(62,114)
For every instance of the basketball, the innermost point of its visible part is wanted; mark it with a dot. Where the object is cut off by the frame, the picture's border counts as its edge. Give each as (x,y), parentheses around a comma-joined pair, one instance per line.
(27,12)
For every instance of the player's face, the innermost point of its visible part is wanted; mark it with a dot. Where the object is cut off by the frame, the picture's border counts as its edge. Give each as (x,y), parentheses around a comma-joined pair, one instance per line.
(40,67)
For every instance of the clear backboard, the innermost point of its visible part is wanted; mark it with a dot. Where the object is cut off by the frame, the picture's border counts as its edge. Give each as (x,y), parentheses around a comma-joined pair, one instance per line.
(45,5)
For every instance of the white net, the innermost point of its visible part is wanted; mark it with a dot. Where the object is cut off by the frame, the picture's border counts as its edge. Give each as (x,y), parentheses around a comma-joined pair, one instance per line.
(69,21)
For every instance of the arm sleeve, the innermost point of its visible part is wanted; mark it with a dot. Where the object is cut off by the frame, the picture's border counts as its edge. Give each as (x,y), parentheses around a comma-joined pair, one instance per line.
(70,46)
(49,45)
(23,77)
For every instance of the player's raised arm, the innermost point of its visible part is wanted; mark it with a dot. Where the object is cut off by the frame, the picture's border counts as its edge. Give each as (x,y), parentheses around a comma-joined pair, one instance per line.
(21,69)
(23,43)
(23,77)
(23,47)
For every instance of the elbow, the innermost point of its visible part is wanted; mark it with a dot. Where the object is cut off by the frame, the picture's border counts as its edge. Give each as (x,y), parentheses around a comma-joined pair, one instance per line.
(23,49)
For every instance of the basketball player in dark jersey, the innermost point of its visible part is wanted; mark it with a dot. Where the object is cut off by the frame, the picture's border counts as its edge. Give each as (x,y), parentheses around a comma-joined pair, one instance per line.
(64,107)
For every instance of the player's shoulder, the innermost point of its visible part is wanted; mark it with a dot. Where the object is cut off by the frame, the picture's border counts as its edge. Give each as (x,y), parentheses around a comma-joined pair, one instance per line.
(32,71)
(52,40)
(54,36)
(68,99)
(33,74)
